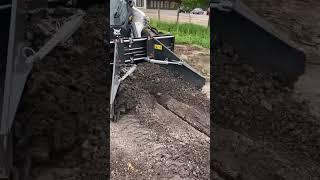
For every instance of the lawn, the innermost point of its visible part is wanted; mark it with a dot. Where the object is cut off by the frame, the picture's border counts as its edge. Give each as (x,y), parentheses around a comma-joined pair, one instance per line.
(185,33)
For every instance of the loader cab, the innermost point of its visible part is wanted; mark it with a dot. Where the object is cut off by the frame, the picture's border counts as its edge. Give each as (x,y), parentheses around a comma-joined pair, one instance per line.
(120,13)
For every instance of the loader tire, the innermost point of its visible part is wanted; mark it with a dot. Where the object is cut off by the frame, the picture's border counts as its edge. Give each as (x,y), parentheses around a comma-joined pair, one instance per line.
(116,116)
(117,111)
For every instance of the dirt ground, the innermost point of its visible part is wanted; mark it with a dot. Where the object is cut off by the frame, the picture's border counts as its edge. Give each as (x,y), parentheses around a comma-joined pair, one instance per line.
(196,56)
(61,122)
(262,129)
(164,130)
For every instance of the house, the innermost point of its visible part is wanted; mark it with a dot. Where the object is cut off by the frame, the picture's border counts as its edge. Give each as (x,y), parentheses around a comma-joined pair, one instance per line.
(154,4)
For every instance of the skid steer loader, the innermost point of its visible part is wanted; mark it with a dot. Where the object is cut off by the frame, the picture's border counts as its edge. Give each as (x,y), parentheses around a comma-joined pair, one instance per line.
(134,41)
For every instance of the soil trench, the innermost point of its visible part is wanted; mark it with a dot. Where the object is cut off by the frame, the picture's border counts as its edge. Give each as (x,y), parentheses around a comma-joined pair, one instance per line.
(165,132)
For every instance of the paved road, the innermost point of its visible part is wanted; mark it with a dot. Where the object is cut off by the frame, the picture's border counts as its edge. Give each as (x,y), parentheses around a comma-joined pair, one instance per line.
(171,15)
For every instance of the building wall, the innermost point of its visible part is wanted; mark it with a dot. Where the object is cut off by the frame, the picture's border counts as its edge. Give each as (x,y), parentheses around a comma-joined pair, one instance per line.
(153,4)
(141,3)
(164,4)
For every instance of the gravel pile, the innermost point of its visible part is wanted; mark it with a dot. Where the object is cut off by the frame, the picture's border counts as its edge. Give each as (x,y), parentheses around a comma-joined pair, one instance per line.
(156,80)
(262,107)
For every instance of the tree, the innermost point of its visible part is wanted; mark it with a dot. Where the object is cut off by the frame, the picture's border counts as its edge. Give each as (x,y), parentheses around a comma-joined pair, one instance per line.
(191,4)
(178,11)
(158,4)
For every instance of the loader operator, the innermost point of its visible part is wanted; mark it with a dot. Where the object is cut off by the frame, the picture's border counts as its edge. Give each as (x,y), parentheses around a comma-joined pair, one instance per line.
(128,21)
(120,17)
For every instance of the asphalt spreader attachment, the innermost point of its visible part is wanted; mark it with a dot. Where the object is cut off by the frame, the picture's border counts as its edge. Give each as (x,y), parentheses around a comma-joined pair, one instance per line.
(129,52)
(257,41)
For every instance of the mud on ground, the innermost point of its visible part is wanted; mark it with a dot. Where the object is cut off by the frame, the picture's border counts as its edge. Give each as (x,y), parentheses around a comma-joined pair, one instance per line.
(164,130)
(61,122)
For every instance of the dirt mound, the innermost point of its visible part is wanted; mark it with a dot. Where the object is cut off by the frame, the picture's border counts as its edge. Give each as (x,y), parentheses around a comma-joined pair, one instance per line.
(264,109)
(165,128)
(158,80)
(61,121)
(264,129)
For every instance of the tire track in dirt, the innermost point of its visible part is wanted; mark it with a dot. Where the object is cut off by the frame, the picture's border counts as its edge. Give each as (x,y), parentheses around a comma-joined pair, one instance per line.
(192,116)
(161,138)
(166,149)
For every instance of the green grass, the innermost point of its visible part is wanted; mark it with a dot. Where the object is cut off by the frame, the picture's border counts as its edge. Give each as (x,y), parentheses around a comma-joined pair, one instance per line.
(185,33)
